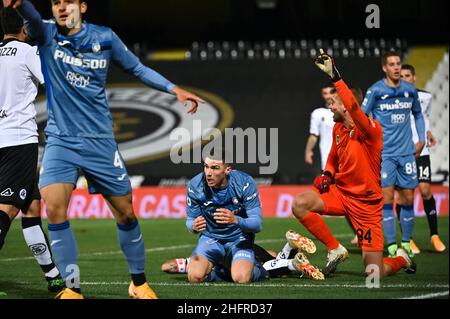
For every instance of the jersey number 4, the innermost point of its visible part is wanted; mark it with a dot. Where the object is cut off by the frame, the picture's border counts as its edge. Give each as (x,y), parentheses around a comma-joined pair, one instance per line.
(117,160)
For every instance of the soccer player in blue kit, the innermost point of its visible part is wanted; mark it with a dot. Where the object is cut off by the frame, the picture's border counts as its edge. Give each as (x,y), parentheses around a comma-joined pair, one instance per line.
(223,207)
(79,131)
(391,102)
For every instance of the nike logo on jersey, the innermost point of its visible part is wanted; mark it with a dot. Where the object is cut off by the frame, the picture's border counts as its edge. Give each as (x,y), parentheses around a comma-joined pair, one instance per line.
(208,203)
(137,240)
(7,193)
(384,97)
(408,219)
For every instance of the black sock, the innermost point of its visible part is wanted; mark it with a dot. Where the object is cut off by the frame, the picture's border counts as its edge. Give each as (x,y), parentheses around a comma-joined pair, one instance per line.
(430,210)
(5,223)
(138,279)
(261,254)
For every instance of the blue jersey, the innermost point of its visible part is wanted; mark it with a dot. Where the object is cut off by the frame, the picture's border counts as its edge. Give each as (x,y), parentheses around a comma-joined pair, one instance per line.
(75,69)
(392,107)
(240,196)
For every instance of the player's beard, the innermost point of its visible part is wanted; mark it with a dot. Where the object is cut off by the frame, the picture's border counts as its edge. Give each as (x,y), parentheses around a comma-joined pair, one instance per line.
(338,118)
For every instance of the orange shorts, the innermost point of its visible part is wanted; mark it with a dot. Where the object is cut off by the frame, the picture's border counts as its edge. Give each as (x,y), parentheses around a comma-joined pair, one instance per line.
(365,216)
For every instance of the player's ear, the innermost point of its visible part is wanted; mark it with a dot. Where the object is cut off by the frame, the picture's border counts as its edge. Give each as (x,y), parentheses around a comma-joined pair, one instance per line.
(228,170)
(384,69)
(83,7)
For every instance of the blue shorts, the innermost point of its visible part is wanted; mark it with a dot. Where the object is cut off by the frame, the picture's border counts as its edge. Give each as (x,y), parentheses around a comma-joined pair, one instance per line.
(98,159)
(225,252)
(399,171)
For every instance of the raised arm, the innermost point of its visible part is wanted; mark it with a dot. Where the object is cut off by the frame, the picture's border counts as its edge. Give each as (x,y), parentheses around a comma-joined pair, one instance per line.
(362,122)
(131,64)
(33,20)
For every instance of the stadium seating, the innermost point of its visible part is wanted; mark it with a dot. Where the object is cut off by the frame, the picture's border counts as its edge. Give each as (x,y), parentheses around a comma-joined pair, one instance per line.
(439,87)
(290,48)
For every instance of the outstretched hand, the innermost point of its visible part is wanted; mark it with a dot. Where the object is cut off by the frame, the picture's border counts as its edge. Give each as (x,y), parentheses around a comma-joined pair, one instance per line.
(184,97)
(14,3)
(326,63)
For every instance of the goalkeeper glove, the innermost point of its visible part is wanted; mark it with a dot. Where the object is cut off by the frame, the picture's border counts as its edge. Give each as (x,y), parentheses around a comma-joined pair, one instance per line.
(326,63)
(323,182)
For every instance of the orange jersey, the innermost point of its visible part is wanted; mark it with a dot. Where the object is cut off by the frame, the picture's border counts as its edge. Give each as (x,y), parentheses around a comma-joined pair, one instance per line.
(355,156)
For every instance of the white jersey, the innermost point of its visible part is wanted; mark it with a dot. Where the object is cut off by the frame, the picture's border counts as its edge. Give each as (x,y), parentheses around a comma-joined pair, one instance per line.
(425,103)
(20,75)
(322,124)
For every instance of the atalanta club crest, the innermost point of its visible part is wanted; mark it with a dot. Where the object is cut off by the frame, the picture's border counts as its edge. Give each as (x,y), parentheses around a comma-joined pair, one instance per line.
(96,47)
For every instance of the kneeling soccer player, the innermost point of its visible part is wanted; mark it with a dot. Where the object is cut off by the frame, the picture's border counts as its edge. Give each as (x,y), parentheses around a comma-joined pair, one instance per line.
(288,261)
(354,162)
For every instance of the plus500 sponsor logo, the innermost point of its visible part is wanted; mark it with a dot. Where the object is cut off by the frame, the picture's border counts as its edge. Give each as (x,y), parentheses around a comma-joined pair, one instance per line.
(397,106)
(84,63)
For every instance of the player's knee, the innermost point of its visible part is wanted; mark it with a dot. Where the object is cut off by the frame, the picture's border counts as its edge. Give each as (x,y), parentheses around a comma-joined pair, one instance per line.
(425,191)
(242,278)
(55,209)
(196,277)
(300,206)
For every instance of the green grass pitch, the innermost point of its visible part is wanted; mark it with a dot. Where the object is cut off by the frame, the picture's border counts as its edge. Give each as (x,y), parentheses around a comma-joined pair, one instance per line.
(104,270)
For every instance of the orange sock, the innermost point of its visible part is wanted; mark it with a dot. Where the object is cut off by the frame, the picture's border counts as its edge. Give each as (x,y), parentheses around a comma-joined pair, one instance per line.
(315,225)
(395,263)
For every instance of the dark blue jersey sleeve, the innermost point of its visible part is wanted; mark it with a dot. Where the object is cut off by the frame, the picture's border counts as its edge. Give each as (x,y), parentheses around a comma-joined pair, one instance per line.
(131,64)
(34,25)
(252,204)
(193,209)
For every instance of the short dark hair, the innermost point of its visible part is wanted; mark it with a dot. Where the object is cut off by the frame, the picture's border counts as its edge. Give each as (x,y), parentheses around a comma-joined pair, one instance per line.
(387,55)
(11,22)
(328,85)
(219,154)
(410,68)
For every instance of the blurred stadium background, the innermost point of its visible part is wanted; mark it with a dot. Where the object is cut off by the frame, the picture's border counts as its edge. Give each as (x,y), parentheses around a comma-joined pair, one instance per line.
(252,61)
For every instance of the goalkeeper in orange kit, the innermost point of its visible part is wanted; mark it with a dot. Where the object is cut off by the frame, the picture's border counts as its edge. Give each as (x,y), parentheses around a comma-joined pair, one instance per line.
(354,162)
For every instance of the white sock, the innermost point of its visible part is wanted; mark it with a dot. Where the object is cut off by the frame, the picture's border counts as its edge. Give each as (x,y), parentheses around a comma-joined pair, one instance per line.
(284,253)
(36,242)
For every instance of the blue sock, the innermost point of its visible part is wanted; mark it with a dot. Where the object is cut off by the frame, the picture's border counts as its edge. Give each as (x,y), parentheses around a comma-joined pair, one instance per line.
(132,244)
(259,273)
(407,222)
(64,247)
(389,224)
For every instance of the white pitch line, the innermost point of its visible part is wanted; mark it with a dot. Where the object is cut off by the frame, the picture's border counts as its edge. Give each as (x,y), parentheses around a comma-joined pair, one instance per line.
(150,250)
(186,284)
(428,296)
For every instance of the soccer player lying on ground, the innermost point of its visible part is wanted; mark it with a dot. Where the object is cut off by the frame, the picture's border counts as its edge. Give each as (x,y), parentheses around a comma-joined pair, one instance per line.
(354,162)
(19,79)
(288,261)
(79,131)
